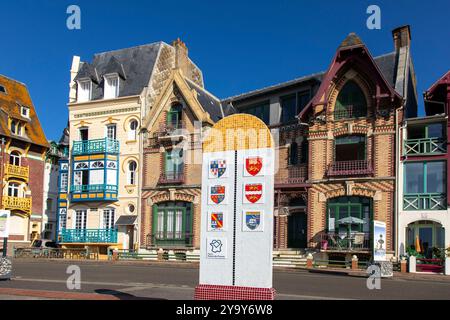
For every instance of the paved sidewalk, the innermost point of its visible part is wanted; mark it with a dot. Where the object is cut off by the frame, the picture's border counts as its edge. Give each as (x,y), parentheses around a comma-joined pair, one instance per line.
(26,294)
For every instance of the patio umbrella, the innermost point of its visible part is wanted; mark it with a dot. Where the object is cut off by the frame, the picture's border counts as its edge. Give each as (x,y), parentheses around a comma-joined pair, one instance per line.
(418,249)
(351,220)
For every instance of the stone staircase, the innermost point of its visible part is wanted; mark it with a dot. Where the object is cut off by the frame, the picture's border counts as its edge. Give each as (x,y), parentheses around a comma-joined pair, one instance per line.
(289,258)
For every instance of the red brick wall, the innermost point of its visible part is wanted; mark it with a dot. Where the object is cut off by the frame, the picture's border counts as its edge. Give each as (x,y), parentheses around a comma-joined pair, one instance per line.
(36,184)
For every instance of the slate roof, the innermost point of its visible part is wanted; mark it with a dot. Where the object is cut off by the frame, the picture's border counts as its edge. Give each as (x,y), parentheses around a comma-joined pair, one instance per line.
(386,63)
(209,102)
(17,95)
(134,66)
(126,220)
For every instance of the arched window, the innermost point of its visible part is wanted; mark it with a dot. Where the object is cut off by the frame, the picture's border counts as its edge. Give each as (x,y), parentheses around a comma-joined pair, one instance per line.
(132,133)
(293,153)
(351,102)
(14,158)
(174,116)
(132,166)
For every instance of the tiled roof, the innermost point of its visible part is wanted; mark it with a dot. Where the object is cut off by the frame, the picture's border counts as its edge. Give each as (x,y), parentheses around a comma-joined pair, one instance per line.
(17,95)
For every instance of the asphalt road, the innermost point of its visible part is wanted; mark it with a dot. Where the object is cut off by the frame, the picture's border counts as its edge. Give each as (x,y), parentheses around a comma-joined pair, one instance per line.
(171,281)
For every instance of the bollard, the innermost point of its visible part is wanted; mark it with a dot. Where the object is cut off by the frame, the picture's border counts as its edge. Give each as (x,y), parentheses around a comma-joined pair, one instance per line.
(447,266)
(160,254)
(412,264)
(354,263)
(309,261)
(115,255)
(403,265)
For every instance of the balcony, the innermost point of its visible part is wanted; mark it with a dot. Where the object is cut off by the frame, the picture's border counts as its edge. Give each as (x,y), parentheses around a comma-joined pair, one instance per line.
(171,177)
(94,192)
(15,203)
(425,146)
(179,240)
(350,168)
(355,241)
(12,171)
(425,201)
(171,130)
(88,236)
(104,145)
(292,175)
(350,112)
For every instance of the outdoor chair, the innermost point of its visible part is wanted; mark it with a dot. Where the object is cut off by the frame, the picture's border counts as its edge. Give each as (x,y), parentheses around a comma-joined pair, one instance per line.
(358,240)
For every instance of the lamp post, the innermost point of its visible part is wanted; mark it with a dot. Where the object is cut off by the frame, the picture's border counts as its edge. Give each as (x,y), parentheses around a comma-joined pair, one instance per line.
(2,174)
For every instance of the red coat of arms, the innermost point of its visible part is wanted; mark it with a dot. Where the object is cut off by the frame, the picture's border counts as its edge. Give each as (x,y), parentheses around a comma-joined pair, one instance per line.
(253,165)
(253,192)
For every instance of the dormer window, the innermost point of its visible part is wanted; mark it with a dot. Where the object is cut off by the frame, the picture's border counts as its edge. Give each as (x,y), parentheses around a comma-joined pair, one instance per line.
(16,127)
(111,87)
(84,90)
(25,111)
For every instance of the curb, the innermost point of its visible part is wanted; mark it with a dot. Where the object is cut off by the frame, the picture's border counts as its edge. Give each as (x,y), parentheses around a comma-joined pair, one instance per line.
(56,295)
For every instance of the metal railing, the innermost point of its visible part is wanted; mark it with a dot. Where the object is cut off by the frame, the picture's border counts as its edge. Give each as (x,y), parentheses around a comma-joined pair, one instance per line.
(349,112)
(93,188)
(425,201)
(55,253)
(104,145)
(292,175)
(88,236)
(356,241)
(171,128)
(20,172)
(162,241)
(170,177)
(15,203)
(348,168)
(425,146)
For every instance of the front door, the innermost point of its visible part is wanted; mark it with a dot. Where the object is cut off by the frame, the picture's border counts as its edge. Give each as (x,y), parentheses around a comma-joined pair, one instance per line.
(297,235)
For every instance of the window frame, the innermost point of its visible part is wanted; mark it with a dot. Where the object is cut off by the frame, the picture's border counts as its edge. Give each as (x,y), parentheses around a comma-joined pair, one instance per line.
(110,91)
(81,91)
(111,126)
(425,177)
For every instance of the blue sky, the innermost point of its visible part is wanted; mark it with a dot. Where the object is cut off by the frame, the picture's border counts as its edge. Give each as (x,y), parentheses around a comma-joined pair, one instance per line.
(239,45)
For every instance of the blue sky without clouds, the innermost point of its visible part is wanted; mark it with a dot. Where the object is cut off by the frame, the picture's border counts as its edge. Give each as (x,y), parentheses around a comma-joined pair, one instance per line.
(239,45)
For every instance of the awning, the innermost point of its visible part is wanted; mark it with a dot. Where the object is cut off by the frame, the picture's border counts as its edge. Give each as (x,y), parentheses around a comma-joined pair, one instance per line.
(126,221)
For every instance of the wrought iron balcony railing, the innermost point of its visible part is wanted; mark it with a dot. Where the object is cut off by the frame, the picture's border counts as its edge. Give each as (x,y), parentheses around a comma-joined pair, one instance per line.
(425,146)
(353,241)
(88,236)
(292,175)
(349,112)
(17,171)
(104,145)
(169,129)
(15,203)
(93,188)
(425,201)
(179,239)
(171,177)
(350,168)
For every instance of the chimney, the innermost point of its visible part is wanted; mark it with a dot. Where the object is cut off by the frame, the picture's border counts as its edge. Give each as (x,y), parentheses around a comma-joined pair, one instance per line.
(73,73)
(402,37)
(181,56)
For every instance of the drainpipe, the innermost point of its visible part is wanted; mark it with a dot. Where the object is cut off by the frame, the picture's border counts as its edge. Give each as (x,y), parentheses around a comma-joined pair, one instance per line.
(396,190)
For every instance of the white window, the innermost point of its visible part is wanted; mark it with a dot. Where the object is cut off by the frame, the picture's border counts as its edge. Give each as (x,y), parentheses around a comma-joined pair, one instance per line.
(78,178)
(132,133)
(111,87)
(80,219)
(111,131)
(111,178)
(62,219)
(64,181)
(14,158)
(25,111)
(13,190)
(108,218)
(84,90)
(16,128)
(96,177)
(132,166)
